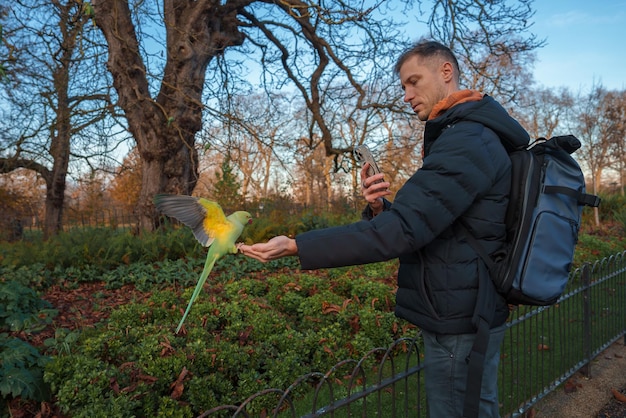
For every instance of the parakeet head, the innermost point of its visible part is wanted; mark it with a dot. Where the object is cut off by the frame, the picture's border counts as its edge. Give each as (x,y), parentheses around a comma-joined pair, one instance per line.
(243,217)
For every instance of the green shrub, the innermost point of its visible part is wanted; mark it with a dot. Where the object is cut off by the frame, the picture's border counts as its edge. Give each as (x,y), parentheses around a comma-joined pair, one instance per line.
(242,336)
(595,247)
(21,370)
(254,326)
(63,342)
(620,217)
(84,386)
(35,276)
(102,248)
(611,203)
(21,309)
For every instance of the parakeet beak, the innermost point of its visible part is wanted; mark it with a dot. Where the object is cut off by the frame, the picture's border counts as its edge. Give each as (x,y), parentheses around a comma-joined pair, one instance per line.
(249,221)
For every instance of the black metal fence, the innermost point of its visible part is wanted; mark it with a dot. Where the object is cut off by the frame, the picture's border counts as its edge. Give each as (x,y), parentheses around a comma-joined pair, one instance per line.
(543,348)
(15,228)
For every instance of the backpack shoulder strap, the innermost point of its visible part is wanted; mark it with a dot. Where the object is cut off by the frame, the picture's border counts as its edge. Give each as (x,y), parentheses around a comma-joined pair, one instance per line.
(483,315)
(475,365)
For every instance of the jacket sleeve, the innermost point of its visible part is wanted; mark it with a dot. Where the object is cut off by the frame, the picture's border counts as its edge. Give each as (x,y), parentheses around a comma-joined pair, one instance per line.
(367,214)
(462,164)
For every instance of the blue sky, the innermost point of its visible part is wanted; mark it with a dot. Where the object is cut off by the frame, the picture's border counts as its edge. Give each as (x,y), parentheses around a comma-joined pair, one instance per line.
(586,43)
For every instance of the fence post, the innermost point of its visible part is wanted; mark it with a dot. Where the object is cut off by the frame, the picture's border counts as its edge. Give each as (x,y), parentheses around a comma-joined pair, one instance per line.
(586,279)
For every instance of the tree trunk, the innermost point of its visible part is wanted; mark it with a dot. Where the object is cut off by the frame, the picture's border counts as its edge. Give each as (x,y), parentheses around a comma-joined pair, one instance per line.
(328,180)
(165,127)
(55,183)
(61,132)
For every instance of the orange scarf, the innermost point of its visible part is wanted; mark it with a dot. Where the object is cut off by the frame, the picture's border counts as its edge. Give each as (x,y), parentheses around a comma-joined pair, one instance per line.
(458,97)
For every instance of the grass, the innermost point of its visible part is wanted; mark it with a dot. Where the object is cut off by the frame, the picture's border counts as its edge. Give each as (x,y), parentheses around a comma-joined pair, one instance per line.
(544,347)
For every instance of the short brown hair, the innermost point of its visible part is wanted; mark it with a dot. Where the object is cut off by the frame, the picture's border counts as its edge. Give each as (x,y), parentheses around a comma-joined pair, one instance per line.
(428,49)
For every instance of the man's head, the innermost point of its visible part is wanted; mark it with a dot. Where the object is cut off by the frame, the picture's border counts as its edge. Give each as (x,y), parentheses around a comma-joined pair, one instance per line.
(429,72)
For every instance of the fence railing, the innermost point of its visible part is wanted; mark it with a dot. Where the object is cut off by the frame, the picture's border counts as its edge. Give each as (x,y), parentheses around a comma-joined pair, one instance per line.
(15,228)
(543,347)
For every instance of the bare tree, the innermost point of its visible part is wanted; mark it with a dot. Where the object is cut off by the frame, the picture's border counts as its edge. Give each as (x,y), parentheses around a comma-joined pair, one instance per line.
(299,45)
(5,61)
(198,34)
(21,202)
(126,183)
(614,108)
(312,185)
(56,95)
(254,135)
(544,111)
(593,128)
(492,42)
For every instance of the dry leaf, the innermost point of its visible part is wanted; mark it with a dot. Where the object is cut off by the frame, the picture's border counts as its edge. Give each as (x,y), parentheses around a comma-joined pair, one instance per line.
(618,395)
(178,386)
(571,386)
(115,387)
(328,308)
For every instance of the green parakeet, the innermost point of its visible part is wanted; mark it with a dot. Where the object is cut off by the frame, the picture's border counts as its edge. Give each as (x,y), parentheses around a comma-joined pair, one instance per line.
(210,227)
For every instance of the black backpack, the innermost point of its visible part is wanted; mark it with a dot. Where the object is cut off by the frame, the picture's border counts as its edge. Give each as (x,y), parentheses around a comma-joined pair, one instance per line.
(542,221)
(543,218)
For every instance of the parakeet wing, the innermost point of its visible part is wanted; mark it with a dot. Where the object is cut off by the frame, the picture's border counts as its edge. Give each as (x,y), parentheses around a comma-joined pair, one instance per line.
(203,216)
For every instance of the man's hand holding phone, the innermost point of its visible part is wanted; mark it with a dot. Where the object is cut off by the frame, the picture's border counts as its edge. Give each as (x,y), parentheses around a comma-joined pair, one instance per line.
(373,185)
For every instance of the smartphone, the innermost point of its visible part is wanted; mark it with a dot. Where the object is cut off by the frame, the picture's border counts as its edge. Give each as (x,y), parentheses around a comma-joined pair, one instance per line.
(363,155)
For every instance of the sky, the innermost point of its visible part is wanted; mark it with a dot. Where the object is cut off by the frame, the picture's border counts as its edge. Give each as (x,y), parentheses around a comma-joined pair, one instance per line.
(586,44)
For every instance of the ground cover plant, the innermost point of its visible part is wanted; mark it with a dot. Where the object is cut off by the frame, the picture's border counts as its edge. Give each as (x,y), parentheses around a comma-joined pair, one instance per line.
(98,321)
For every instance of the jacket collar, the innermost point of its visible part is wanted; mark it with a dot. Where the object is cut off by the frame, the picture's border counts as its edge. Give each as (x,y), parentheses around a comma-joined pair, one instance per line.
(458,97)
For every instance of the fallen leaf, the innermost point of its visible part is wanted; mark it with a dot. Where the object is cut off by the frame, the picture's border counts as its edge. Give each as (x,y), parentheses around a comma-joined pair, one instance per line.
(45,410)
(543,347)
(328,308)
(571,386)
(146,378)
(115,387)
(618,395)
(178,386)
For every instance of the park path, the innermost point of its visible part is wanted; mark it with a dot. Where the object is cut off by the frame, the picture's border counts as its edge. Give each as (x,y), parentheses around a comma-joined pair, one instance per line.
(595,397)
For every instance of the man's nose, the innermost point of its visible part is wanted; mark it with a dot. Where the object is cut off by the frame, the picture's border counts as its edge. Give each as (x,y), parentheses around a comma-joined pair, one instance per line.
(407,95)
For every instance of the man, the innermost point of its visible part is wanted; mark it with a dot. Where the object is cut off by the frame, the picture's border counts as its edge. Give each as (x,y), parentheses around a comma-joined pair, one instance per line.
(465,179)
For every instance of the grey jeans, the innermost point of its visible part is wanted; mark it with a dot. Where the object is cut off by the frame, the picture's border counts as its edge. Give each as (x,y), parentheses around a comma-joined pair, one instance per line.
(445,372)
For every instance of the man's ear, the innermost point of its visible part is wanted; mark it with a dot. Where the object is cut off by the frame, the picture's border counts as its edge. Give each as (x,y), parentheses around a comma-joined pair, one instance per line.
(447,71)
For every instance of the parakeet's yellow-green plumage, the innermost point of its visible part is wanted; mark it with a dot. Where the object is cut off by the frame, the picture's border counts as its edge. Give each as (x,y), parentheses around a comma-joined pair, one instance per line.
(210,227)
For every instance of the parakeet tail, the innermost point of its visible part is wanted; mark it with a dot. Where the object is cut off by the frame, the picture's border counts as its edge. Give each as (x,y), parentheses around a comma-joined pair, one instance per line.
(208,266)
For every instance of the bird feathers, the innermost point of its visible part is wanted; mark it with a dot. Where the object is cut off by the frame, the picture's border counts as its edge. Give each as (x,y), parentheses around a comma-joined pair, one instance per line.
(205,218)
(210,227)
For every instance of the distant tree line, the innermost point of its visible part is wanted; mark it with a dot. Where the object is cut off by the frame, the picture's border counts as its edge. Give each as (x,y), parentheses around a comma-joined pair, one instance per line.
(243,101)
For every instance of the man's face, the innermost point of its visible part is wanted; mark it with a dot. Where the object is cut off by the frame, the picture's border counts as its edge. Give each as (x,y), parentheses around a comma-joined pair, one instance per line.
(423,82)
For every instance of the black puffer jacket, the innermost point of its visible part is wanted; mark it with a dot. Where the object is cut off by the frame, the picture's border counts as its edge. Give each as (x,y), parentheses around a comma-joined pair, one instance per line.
(466,173)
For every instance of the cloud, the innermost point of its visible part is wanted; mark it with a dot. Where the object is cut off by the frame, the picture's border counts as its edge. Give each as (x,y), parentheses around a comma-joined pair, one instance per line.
(585,18)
